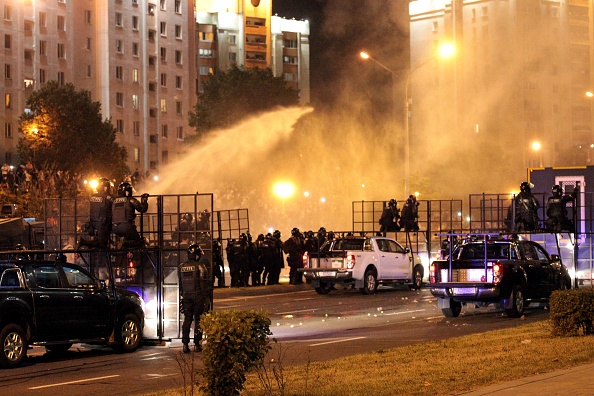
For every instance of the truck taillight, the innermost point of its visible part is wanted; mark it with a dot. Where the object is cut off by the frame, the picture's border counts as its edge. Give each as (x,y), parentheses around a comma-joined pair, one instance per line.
(350,261)
(305,259)
(432,270)
(497,273)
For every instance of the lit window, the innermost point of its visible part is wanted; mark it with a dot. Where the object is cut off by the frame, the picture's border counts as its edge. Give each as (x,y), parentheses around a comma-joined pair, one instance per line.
(7,100)
(205,53)
(135,101)
(163,105)
(136,154)
(135,75)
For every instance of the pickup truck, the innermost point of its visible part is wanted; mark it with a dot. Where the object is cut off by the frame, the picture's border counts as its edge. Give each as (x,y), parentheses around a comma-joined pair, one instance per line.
(362,263)
(57,304)
(510,273)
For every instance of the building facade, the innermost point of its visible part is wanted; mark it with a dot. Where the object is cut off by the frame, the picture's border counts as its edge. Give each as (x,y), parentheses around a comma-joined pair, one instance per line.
(143,60)
(520,75)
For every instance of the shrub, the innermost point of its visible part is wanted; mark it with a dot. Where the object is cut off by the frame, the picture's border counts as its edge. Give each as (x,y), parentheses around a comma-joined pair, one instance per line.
(572,312)
(236,341)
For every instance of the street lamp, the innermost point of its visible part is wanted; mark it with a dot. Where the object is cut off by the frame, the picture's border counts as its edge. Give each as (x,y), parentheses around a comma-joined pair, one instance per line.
(536,146)
(445,50)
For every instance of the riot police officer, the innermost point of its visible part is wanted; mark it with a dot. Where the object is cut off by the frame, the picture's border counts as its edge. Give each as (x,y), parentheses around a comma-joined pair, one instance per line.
(410,214)
(556,209)
(218,265)
(195,293)
(124,210)
(231,262)
(278,261)
(294,249)
(100,218)
(526,209)
(241,274)
(390,217)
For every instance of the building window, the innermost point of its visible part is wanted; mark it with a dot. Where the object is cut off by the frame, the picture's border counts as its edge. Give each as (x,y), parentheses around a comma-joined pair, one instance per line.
(152,86)
(163,79)
(178,57)
(205,53)
(178,107)
(118,19)
(8,130)
(120,126)
(119,47)
(232,39)
(289,76)
(28,83)
(7,13)
(163,105)
(61,23)
(88,17)
(119,73)
(135,102)
(151,9)
(136,128)
(136,154)
(7,71)
(178,32)
(89,71)
(435,27)
(290,43)
(485,12)
(42,19)
(119,99)
(163,54)
(7,41)
(88,45)
(43,47)
(42,76)
(206,71)
(152,112)
(163,29)
(233,57)
(165,157)
(178,9)
(178,82)
(134,22)
(135,75)
(61,51)
(291,60)
(151,34)
(7,100)
(179,131)
(206,36)
(61,78)
(163,5)
(135,49)
(164,131)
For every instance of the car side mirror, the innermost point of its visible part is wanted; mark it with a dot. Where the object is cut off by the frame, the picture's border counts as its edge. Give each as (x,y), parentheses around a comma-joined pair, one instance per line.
(406,250)
(555,257)
(101,285)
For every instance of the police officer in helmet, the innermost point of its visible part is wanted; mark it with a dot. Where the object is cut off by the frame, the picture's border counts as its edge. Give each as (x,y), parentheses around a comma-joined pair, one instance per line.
(195,288)
(124,210)
(100,221)
(556,210)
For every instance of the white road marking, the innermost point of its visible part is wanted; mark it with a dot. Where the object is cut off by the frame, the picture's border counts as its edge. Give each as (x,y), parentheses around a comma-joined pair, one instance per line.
(299,310)
(157,376)
(74,382)
(336,341)
(404,312)
(261,296)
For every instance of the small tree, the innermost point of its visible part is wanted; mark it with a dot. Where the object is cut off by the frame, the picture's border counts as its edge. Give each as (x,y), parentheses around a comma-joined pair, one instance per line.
(64,130)
(231,96)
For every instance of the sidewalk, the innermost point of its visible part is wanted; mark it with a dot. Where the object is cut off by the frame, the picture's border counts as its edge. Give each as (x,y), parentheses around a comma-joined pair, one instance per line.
(575,381)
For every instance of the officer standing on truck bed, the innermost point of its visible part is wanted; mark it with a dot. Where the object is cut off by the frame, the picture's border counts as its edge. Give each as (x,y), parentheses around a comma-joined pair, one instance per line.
(124,210)
(556,210)
(100,217)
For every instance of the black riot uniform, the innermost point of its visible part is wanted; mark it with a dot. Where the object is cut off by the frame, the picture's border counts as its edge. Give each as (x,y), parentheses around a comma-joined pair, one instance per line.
(278,260)
(218,265)
(195,290)
(267,258)
(231,261)
(294,249)
(556,209)
(526,209)
(410,214)
(390,217)
(241,262)
(99,216)
(124,210)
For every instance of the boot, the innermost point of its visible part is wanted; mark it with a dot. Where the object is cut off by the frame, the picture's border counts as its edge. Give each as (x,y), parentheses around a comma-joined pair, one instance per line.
(186,348)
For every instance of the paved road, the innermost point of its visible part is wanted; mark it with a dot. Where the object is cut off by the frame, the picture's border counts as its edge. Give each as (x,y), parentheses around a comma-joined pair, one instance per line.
(309,326)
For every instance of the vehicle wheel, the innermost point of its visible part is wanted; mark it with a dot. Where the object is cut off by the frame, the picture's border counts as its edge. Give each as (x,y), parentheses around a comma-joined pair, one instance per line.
(519,303)
(58,348)
(454,310)
(369,282)
(417,280)
(14,346)
(127,334)
(324,288)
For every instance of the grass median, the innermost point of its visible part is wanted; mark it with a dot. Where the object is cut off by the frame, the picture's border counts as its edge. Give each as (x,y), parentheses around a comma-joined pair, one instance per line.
(445,367)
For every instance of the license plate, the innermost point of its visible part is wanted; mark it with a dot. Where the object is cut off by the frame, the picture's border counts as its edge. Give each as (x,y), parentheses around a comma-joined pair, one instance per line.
(464,291)
(327,273)
(337,263)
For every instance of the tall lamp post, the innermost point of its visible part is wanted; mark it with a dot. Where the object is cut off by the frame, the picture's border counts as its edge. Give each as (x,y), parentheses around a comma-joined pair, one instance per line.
(445,50)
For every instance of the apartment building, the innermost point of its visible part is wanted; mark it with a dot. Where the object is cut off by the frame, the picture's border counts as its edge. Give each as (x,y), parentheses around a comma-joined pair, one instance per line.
(143,60)
(520,75)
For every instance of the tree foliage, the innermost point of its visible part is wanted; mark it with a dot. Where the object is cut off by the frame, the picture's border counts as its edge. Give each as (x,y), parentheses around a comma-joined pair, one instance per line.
(65,130)
(231,96)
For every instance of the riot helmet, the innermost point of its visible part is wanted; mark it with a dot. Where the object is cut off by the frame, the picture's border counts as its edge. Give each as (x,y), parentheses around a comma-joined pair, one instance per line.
(125,189)
(60,257)
(243,236)
(188,217)
(557,190)
(392,203)
(525,187)
(194,252)
(295,231)
(276,234)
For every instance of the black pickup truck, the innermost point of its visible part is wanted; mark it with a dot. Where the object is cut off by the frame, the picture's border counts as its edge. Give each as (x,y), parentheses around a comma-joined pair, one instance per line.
(509,272)
(57,304)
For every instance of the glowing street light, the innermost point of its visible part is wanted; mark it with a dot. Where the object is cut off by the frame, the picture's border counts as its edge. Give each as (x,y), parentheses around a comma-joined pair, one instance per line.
(284,189)
(536,146)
